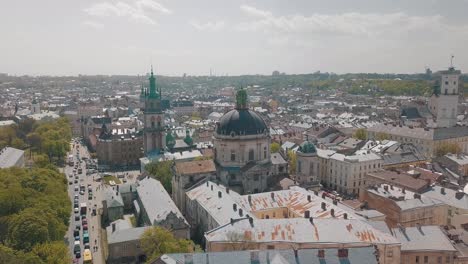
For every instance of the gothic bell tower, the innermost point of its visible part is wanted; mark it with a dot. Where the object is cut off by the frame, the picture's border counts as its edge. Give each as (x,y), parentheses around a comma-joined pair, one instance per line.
(153,132)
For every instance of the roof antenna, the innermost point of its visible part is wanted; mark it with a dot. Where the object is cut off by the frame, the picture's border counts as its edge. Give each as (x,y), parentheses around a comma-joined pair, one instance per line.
(451,61)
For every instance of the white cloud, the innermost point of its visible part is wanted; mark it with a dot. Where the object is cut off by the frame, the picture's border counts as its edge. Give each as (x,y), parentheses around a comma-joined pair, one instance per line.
(136,11)
(93,24)
(352,23)
(208,26)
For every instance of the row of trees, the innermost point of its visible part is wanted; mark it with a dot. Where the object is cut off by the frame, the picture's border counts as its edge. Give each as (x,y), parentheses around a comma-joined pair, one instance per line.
(47,140)
(34,203)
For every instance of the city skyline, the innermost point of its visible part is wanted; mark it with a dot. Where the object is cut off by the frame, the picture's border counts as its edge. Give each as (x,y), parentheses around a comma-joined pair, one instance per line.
(235,38)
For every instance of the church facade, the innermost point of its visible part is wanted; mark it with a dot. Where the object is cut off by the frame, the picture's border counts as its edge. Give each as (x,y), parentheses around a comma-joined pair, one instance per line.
(241,143)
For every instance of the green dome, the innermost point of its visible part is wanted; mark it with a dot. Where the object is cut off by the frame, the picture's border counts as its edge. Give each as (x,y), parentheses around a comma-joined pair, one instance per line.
(307,147)
(170,141)
(187,138)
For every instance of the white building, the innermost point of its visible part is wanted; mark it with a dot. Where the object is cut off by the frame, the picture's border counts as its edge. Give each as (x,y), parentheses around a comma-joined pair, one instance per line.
(11,157)
(443,103)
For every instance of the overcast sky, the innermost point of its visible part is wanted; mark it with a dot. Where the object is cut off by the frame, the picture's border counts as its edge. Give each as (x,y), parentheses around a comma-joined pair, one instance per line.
(66,37)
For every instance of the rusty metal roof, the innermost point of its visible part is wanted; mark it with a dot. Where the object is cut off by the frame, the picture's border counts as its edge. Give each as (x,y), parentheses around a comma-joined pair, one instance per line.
(301,230)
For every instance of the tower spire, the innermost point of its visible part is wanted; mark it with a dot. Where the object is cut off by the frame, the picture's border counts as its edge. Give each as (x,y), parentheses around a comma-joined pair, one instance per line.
(152,91)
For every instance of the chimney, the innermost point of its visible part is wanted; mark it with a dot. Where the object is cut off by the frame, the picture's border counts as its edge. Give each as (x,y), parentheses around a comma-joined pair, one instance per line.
(391,187)
(309,198)
(345,216)
(332,212)
(207,184)
(324,206)
(211,187)
(385,188)
(459,194)
(240,212)
(335,201)
(273,196)
(306,214)
(250,199)
(442,190)
(417,196)
(311,220)
(113,227)
(220,194)
(403,190)
(234,207)
(254,257)
(251,220)
(323,195)
(227,190)
(188,259)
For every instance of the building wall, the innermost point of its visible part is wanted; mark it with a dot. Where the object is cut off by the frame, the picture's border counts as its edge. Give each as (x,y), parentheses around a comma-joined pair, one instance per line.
(235,152)
(307,168)
(115,213)
(411,257)
(388,254)
(125,252)
(119,153)
(349,177)
(181,183)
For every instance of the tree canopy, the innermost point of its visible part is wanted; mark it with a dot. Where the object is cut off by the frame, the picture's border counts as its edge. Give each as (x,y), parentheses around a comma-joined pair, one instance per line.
(274,147)
(360,133)
(157,241)
(162,172)
(34,203)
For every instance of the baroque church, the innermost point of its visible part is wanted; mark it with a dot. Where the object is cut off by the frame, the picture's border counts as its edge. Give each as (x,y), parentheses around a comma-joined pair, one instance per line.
(241,142)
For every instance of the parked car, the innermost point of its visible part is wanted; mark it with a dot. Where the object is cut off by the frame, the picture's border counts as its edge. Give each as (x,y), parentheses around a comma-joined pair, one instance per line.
(77,210)
(77,238)
(76,232)
(85,227)
(77,217)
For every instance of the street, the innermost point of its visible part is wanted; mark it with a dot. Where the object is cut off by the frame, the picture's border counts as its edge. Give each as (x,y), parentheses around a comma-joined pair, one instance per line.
(76,220)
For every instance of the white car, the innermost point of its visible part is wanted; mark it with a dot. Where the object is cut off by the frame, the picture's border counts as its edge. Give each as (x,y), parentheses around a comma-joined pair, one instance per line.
(77,210)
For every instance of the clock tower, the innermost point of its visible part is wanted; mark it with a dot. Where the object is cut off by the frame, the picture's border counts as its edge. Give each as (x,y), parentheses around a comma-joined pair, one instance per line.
(154,129)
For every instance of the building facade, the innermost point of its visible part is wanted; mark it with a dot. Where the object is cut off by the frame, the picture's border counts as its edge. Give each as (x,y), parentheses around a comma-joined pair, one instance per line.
(443,103)
(242,148)
(153,119)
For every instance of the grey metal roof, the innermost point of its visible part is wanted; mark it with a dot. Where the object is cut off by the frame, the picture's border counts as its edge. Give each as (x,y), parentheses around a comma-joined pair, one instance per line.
(124,235)
(9,156)
(113,199)
(361,255)
(276,158)
(422,238)
(448,197)
(156,201)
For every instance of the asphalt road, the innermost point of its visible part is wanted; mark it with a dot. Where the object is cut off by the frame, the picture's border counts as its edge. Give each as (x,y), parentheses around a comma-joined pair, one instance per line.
(94,229)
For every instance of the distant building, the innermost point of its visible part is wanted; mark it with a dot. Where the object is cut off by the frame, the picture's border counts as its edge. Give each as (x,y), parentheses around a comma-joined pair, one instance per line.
(158,209)
(186,175)
(403,207)
(183,106)
(119,148)
(443,103)
(308,164)
(424,244)
(457,164)
(11,157)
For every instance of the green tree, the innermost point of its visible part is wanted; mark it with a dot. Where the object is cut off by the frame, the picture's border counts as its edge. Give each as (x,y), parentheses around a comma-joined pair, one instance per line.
(53,253)
(447,148)
(8,255)
(274,147)
(157,241)
(360,133)
(292,159)
(382,136)
(27,229)
(162,172)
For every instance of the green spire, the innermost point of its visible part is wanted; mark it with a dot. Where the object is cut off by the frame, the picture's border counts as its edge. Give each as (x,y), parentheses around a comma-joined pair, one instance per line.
(170,141)
(187,138)
(152,92)
(241,99)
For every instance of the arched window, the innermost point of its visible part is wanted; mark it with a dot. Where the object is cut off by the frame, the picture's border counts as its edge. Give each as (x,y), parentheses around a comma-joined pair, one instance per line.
(251,155)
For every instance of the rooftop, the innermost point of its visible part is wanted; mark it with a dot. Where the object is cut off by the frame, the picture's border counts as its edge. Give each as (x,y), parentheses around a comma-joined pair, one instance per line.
(9,156)
(124,235)
(305,256)
(448,196)
(156,201)
(422,238)
(195,167)
(301,230)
